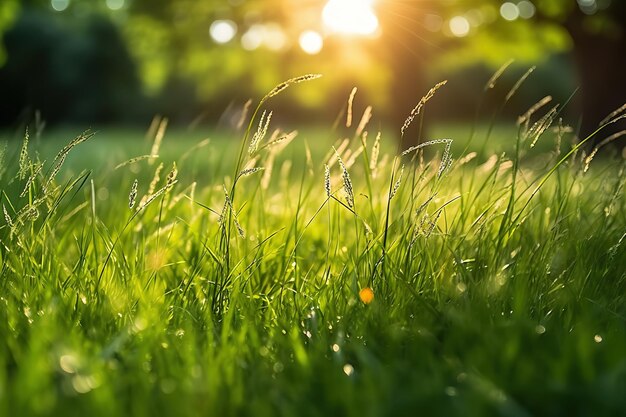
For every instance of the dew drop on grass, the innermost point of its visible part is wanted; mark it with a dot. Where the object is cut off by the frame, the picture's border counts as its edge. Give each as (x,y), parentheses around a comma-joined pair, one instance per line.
(348,369)
(102,194)
(335,347)
(539,329)
(597,338)
(139,325)
(278,367)
(82,384)
(450,391)
(68,364)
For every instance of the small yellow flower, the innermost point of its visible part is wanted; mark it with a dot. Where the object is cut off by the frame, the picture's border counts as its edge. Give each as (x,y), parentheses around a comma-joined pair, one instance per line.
(366,295)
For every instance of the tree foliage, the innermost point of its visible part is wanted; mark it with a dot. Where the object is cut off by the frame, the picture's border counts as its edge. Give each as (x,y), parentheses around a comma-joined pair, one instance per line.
(170,43)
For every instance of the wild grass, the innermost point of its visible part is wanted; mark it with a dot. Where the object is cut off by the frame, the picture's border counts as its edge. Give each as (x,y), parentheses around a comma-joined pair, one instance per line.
(352,281)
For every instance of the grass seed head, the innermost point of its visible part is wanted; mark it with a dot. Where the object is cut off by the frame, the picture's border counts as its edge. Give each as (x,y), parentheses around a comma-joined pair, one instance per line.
(240,230)
(7,217)
(327,180)
(446,159)
(347,182)
(519,83)
(285,84)
(494,78)
(134,160)
(158,139)
(24,161)
(154,196)
(244,114)
(250,171)
(425,144)
(349,111)
(3,154)
(613,115)
(418,108)
(365,119)
(432,224)
(396,186)
(602,143)
(352,159)
(261,132)
(59,159)
(153,184)
(132,197)
(222,218)
(525,118)
(55,170)
(375,154)
(87,134)
(171,177)
(539,128)
(32,178)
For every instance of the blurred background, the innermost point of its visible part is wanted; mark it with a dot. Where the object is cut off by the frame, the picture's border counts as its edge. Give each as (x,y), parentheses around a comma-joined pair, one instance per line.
(196,62)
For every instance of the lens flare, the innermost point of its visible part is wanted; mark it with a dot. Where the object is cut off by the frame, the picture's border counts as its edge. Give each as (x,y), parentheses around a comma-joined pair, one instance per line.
(223,31)
(350,17)
(311,42)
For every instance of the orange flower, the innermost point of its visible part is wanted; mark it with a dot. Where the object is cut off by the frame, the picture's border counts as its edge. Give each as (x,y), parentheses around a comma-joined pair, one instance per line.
(366,295)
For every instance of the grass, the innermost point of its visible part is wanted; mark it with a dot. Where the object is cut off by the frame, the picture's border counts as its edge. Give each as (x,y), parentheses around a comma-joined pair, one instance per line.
(498,281)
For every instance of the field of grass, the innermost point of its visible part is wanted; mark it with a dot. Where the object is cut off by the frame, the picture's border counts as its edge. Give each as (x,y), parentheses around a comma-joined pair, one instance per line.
(383,285)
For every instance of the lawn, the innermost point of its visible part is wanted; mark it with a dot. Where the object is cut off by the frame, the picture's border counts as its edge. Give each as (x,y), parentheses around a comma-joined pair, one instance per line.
(384,285)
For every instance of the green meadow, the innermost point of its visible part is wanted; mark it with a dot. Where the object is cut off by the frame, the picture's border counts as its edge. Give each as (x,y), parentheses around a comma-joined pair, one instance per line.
(329,272)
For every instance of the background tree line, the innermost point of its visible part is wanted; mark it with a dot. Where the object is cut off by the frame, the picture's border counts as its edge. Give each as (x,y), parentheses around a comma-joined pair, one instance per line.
(89,63)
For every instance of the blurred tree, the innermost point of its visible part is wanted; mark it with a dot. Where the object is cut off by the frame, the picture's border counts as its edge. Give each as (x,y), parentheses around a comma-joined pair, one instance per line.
(175,49)
(8,11)
(599,48)
(597,32)
(493,31)
(173,43)
(171,38)
(78,72)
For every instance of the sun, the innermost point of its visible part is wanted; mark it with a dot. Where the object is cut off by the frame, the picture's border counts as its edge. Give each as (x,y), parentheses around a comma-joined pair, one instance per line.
(350,17)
